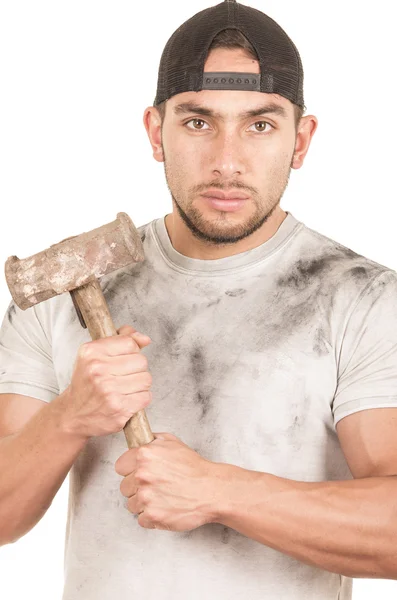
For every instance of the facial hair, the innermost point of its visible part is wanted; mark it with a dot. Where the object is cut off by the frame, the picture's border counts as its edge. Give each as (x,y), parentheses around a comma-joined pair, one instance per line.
(211,232)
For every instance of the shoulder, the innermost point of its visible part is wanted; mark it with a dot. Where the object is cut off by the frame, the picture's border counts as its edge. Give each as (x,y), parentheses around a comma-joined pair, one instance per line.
(324,262)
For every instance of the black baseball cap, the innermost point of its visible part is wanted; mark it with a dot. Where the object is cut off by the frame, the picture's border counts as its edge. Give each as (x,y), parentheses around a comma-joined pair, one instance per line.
(182,62)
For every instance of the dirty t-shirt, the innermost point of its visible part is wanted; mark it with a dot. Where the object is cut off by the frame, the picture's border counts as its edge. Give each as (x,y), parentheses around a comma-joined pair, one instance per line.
(255,358)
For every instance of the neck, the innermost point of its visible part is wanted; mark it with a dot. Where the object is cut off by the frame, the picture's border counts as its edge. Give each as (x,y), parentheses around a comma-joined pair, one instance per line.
(189,245)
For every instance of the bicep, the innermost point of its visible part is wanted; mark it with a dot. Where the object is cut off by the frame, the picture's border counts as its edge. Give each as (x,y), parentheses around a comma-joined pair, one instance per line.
(369,442)
(15,411)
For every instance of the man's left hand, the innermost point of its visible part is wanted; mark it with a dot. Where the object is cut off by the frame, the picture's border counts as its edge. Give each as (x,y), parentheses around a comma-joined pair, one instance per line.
(169,485)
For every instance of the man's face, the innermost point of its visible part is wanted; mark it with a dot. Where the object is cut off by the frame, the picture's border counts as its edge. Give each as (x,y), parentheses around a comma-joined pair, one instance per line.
(213,145)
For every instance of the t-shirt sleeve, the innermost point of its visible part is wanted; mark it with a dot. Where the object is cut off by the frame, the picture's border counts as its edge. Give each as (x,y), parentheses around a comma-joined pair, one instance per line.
(367,369)
(26,365)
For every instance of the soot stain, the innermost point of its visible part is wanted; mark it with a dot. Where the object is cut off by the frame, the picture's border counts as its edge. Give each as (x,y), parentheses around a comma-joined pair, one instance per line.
(73,316)
(169,333)
(304,272)
(110,287)
(120,290)
(358,271)
(198,370)
(294,430)
(320,346)
(204,401)
(198,363)
(225,535)
(214,303)
(236,292)
(306,285)
(11,312)
(143,237)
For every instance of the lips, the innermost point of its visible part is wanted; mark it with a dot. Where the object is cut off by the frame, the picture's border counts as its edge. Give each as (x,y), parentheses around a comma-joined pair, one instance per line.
(222,196)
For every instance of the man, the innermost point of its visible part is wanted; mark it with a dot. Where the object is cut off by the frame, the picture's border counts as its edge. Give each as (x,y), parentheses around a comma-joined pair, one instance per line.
(273,366)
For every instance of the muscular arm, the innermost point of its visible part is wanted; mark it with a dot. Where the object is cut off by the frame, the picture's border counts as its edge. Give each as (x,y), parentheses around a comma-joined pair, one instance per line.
(346,527)
(34,462)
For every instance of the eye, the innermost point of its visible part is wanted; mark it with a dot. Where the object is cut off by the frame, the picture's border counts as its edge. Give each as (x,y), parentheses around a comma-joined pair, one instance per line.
(261,126)
(198,124)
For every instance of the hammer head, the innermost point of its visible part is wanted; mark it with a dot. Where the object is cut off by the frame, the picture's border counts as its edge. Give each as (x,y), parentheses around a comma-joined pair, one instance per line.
(73,262)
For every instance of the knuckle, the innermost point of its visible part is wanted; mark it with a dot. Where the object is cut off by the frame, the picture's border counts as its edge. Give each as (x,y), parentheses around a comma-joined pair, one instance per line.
(107,389)
(94,367)
(142,454)
(144,495)
(152,515)
(141,477)
(85,350)
(113,402)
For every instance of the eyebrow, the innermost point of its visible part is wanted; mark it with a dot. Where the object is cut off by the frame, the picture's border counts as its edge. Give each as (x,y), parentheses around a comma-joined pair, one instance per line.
(192,107)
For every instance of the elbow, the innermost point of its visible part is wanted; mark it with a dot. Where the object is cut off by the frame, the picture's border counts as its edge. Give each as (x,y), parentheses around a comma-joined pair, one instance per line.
(8,532)
(5,539)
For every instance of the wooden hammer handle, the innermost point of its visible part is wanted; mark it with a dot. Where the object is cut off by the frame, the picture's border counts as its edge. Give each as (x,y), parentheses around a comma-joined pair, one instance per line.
(95,311)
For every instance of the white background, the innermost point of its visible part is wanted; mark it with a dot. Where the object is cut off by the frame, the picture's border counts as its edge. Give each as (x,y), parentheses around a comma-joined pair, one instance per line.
(75,78)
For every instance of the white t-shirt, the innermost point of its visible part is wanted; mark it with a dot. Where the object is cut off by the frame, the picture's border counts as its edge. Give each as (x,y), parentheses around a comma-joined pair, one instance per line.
(255,358)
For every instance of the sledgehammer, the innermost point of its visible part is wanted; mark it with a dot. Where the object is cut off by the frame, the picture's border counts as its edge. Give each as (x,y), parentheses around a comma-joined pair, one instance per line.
(74,265)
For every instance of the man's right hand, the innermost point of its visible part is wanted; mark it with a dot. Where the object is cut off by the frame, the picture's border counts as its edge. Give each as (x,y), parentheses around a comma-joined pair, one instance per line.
(110,382)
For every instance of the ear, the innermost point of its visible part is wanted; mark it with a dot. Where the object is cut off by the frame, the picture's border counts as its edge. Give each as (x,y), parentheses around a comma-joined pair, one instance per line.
(152,122)
(306,129)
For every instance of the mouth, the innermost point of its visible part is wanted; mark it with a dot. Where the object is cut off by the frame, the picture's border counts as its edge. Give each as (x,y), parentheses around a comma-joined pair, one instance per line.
(225,202)
(233,195)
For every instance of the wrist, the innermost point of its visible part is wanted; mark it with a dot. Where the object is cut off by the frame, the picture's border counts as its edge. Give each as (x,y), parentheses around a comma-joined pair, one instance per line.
(236,490)
(64,422)
(225,483)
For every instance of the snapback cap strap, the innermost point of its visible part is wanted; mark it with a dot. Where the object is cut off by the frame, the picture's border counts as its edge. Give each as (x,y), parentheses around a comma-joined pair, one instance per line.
(227,80)
(230,80)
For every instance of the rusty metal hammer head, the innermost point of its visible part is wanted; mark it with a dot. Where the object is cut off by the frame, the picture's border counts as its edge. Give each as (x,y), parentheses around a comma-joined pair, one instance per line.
(73,262)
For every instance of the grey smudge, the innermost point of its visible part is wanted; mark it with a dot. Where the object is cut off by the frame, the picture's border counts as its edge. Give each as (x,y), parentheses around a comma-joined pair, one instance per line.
(204,401)
(225,535)
(11,312)
(359,272)
(236,292)
(320,347)
(213,303)
(198,371)
(304,272)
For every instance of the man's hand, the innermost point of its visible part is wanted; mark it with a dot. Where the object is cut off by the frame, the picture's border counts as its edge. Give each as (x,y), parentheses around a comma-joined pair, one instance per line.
(169,485)
(110,383)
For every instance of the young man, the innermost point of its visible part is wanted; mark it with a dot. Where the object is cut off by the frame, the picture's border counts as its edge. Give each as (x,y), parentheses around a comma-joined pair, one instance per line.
(273,372)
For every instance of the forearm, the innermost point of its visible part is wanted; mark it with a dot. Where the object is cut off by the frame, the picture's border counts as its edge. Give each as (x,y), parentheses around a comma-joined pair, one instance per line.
(346,527)
(33,464)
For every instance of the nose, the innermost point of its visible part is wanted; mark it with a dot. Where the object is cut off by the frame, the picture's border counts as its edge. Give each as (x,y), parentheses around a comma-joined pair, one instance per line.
(228,156)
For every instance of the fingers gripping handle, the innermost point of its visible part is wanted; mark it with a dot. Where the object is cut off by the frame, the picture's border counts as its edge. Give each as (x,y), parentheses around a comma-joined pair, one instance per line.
(93,307)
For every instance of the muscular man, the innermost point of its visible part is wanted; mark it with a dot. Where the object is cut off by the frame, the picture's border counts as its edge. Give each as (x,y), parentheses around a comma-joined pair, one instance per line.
(270,375)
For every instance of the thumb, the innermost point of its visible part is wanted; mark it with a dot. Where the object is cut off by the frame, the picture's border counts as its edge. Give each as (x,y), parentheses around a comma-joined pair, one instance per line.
(140,338)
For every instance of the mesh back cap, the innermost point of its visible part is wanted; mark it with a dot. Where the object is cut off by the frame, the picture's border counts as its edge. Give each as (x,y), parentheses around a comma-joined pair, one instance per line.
(182,62)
